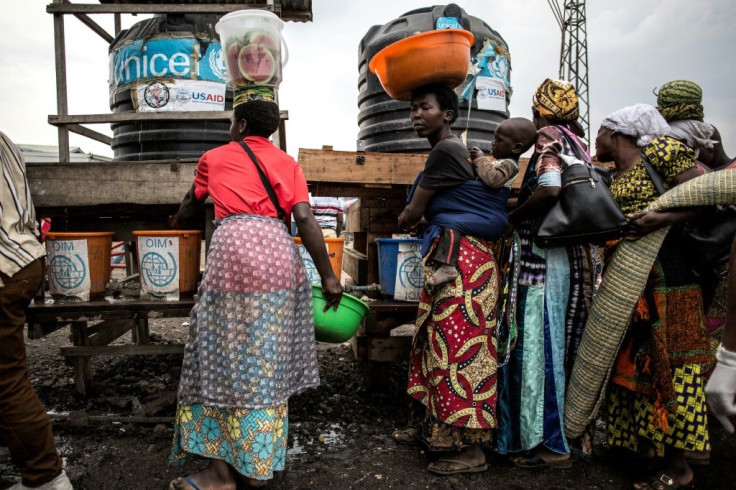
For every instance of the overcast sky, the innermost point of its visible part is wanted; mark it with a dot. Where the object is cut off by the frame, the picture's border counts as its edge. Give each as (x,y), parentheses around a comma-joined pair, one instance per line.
(633,47)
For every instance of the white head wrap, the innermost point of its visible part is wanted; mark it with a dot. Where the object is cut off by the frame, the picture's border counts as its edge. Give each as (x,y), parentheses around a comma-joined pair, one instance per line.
(642,121)
(695,134)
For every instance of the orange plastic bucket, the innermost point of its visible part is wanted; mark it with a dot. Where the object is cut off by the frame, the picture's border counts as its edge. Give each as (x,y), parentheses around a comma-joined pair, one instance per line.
(439,56)
(334,251)
(78,270)
(159,266)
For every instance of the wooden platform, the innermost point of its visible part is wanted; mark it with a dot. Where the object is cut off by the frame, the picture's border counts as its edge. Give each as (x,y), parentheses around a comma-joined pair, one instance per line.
(112,319)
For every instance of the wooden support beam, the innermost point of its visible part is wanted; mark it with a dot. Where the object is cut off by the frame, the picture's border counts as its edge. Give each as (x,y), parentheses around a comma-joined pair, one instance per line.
(92,25)
(89,133)
(123,117)
(108,331)
(150,8)
(61,89)
(122,350)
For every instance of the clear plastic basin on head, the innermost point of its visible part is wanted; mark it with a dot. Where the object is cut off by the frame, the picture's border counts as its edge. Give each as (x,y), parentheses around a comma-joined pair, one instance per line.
(255,51)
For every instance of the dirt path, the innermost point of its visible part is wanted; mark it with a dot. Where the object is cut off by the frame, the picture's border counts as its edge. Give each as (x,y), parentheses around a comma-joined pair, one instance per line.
(339,433)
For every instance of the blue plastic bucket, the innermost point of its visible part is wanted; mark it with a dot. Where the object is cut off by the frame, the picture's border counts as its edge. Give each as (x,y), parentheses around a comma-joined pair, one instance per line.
(403,278)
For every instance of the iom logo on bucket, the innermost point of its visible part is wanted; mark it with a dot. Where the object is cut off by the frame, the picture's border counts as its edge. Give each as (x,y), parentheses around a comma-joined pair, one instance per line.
(411,273)
(67,272)
(157,269)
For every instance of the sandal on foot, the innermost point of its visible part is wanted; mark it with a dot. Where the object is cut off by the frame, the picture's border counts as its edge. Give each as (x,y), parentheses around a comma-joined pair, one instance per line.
(408,436)
(466,467)
(534,461)
(661,481)
(188,480)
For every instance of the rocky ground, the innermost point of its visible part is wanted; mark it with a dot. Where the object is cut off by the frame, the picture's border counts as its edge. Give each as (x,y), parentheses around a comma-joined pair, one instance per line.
(339,435)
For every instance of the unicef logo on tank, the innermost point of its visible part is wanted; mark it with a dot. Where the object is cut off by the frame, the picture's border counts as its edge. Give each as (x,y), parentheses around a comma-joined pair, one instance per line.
(67,272)
(158,270)
(167,58)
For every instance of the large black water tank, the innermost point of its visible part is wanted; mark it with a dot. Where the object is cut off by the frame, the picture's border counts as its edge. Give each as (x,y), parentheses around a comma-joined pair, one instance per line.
(167,60)
(384,123)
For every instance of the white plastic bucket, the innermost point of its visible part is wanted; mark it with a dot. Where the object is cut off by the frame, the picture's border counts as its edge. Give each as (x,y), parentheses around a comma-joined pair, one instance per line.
(255,51)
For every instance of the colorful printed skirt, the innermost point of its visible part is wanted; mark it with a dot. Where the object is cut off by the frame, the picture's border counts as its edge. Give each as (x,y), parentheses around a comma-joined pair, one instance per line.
(251,331)
(555,288)
(250,347)
(254,442)
(454,352)
(632,415)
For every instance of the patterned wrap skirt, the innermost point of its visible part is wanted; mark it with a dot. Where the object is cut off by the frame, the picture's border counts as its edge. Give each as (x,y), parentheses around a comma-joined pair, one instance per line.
(656,390)
(555,289)
(454,351)
(251,346)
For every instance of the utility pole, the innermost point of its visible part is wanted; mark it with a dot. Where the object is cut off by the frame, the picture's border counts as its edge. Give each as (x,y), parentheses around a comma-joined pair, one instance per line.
(570,15)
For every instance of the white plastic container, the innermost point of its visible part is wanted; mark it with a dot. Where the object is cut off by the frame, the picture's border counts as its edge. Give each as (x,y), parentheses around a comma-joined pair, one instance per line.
(255,51)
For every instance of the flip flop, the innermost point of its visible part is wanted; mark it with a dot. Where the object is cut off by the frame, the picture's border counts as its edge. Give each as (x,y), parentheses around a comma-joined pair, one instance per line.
(468,468)
(662,481)
(534,461)
(187,479)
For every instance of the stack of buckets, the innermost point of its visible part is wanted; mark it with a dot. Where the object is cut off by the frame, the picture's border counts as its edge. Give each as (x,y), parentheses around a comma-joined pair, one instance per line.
(255,53)
(79,264)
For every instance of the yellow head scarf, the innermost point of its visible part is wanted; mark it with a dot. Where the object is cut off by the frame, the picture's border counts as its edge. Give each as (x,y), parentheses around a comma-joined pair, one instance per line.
(556,99)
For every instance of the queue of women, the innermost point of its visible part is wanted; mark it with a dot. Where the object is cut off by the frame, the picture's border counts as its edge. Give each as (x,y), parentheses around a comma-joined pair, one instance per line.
(500,320)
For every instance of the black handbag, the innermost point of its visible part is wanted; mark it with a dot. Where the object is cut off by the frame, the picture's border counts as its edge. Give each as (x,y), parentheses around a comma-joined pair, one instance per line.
(585,212)
(709,240)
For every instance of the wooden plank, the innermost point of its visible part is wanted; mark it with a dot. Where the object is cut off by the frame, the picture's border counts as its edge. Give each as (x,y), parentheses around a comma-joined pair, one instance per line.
(92,25)
(122,117)
(85,184)
(152,8)
(89,133)
(61,89)
(384,220)
(358,167)
(355,264)
(110,330)
(123,350)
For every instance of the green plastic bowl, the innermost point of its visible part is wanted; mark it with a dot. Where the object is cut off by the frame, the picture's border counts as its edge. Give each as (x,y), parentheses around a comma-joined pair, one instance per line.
(339,325)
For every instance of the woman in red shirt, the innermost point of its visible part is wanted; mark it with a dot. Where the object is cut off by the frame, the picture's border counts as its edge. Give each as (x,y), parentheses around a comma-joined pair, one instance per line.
(251,336)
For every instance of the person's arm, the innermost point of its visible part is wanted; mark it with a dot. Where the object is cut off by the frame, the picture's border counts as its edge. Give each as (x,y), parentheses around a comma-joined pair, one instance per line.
(314,242)
(646,222)
(338,227)
(721,388)
(495,173)
(541,200)
(414,211)
(192,205)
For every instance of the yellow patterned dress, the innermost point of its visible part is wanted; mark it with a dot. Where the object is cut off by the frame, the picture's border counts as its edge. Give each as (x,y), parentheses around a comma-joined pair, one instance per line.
(656,390)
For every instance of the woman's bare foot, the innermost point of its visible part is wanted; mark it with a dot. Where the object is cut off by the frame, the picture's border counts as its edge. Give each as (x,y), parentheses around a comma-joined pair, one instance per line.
(542,457)
(217,476)
(469,460)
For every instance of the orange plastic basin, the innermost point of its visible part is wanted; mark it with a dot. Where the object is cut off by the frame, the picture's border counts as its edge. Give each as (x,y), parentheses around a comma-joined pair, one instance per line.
(440,56)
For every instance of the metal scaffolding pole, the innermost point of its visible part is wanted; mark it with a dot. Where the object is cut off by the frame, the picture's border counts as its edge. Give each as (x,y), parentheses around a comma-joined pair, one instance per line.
(574,53)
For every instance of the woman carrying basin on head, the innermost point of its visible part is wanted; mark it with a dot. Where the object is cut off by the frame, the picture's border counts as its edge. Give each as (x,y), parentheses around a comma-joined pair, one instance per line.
(251,336)
(454,352)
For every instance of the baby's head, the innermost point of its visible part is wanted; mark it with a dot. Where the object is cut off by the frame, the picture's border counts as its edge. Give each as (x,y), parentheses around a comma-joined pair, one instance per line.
(513,137)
